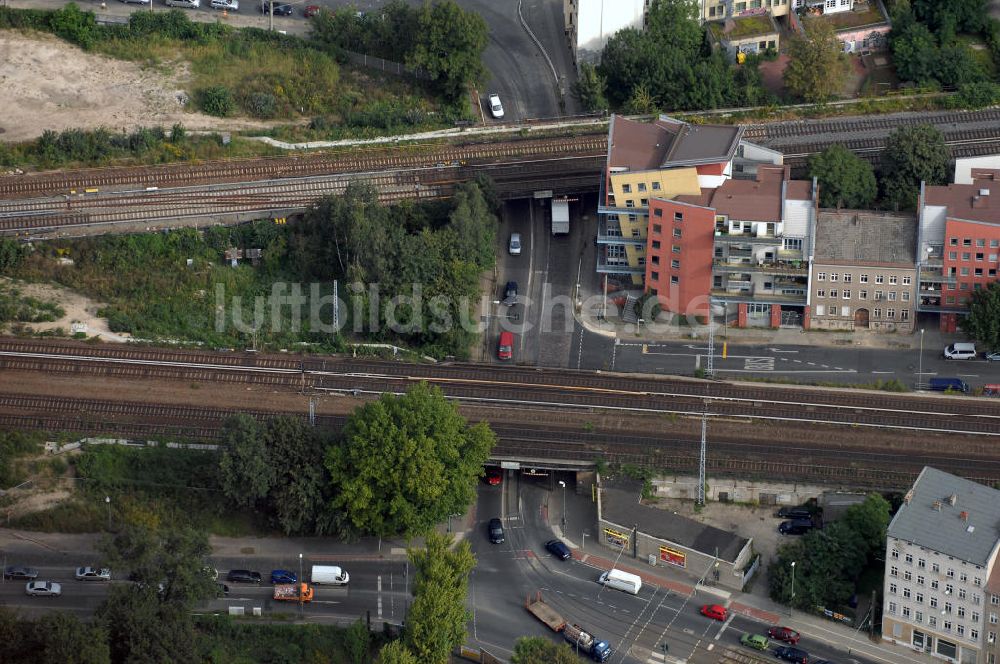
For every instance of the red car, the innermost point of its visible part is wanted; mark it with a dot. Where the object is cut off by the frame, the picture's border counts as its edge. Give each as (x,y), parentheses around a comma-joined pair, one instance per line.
(494,475)
(714,611)
(505,347)
(784,634)
(311,10)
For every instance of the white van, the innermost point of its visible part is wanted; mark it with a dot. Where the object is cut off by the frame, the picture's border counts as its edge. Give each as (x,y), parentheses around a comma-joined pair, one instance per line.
(329,575)
(190,4)
(619,580)
(960,351)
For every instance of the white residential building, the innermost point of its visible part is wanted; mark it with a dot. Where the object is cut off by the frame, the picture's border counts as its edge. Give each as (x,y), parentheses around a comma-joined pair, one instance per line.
(942,583)
(590,23)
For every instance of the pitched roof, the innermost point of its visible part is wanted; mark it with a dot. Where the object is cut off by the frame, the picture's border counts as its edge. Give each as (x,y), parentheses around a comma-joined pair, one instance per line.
(668,143)
(950,515)
(973,202)
(752,200)
(854,237)
(621,505)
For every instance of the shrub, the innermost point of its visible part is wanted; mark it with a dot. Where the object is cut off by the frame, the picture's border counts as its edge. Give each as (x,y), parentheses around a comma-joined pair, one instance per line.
(261,105)
(217,101)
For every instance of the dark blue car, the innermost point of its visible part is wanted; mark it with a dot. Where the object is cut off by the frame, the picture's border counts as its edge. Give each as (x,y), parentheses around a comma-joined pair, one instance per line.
(283,576)
(558,549)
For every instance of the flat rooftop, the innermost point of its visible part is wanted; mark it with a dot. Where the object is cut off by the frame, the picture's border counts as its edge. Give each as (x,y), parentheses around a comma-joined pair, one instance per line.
(620,504)
(856,237)
(979,201)
(668,143)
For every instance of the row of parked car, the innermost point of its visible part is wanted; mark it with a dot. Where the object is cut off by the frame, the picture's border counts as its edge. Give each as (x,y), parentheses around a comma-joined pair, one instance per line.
(39,588)
(786,635)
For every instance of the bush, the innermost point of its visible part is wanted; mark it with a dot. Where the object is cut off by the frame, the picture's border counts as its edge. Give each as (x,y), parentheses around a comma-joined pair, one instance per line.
(217,101)
(261,105)
(977,95)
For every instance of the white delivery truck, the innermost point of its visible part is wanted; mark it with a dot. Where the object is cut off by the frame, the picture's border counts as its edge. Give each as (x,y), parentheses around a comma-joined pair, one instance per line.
(329,575)
(560,216)
(629,583)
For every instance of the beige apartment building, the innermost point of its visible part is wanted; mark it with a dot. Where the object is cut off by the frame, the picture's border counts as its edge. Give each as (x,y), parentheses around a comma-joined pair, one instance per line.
(863,273)
(942,584)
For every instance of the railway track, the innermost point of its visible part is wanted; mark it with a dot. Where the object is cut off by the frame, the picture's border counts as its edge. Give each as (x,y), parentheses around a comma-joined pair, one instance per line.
(141,420)
(576,391)
(778,131)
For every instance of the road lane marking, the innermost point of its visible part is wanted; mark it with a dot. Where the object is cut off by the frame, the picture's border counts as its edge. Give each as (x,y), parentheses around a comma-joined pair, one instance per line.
(379,582)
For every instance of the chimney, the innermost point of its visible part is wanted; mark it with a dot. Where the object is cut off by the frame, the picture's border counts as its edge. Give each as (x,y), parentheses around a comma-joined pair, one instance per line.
(964,516)
(952,499)
(908,497)
(937,505)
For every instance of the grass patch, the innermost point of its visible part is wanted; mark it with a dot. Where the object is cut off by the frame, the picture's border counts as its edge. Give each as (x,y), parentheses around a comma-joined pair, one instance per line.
(15,307)
(746,26)
(14,447)
(76,515)
(891,385)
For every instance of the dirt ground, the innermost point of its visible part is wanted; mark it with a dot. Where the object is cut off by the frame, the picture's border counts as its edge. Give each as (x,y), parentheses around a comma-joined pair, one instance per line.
(49,84)
(80,311)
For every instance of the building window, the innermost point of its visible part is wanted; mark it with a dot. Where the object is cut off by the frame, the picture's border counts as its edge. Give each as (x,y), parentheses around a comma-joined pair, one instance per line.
(847,294)
(642,186)
(980,242)
(961,593)
(633,217)
(904,314)
(974,634)
(675,264)
(846,313)
(920,580)
(636,232)
(863,278)
(892,607)
(892,279)
(677,232)
(975,616)
(949,589)
(847,278)
(821,293)
(674,279)
(909,559)
(820,310)
(906,593)
(906,612)
(905,296)
(630,204)
(834,292)
(656,260)
(979,256)
(893,571)
(919,598)
(657,228)
(675,248)
(863,294)
(657,212)
(961,612)
(821,276)
(678,216)
(965,271)
(876,313)
(977,582)
(643,202)
(951,575)
(966,242)
(656,244)
(890,314)
(966,255)
(932,621)
(933,602)
(960,629)
(642,261)
(891,295)
(953,241)
(907,574)
(626,189)
(893,588)
(834,276)
(919,618)
(878,278)
(953,255)
(655,276)
(906,281)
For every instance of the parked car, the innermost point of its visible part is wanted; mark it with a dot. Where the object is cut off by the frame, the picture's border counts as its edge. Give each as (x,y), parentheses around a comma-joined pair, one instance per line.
(494,475)
(514,247)
(558,549)
(495,529)
(496,108)
(510,293)
(992,356)
(795,527)
(243,576)
(228,5)
(960,351)
(505,346)
(283,576)
(311,10)
(43,589)
(755,641)
(794,513)
(790,654)
(20,572)
(785,634)
(92,574)
(280,8)
(714,611)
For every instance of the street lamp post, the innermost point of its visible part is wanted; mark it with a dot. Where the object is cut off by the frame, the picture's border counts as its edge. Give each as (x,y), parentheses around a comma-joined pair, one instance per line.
(107,499)
(301,607)
(793,589)
(563,485)
(920,371)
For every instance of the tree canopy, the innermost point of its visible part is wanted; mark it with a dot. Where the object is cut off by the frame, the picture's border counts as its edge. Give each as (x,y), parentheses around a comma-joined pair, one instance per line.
(983,321)
(406,463)
(55,638)
(436,623)
(845,180)
(829,561)
(911,155)
(669,65)
(539,650)
(924,48)
(817,66)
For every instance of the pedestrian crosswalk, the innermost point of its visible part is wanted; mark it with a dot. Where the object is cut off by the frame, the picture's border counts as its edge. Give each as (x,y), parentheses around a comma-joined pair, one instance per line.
(660,658)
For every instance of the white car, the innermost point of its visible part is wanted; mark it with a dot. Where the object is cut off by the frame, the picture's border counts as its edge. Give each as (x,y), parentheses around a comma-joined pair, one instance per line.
(43,589)
(92,574)
(228,5)
(496,108)
(515,244)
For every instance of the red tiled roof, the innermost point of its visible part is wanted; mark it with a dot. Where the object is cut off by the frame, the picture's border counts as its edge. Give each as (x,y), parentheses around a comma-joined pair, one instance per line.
(752,200)
(638,146)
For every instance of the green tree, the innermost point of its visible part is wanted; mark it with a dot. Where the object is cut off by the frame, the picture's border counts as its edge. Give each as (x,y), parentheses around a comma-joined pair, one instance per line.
(141,628)
(174,557)
(474,226)
(395,652)
(845,180)
(589,89)
(297,498)
(869,521)
(817,66)
(983,321)
(436,622)
(912,155)
(949,18)
(406,463)
(449,47)
(914,52)
(539,650)
(63,639)
(245,468)
(217,100)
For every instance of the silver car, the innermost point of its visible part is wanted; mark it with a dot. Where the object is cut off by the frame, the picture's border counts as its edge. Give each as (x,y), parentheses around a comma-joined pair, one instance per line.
(515,244)
(228,5)
(92,574)
(43,589)
(20,572)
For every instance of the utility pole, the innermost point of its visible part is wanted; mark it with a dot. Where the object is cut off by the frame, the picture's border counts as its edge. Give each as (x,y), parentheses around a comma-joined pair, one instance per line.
(701,456)
(312,412)
(710,362)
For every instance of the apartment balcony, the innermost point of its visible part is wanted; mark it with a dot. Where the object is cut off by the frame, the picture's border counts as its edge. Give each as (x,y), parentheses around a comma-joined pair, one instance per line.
(609,232)
(607,265)
(794,268)
(931,276)
(725,237)
(759,295)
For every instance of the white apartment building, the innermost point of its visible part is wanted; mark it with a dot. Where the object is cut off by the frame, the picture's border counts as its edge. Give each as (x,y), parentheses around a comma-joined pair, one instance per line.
(590,23)
(942,583)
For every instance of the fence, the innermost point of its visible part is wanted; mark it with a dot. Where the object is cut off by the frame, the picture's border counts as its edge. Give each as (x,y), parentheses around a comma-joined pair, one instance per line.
(387,66)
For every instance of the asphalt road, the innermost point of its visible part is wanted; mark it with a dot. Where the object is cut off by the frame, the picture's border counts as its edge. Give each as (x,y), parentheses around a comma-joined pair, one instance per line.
(848,365)
(379,588)
(635,626)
